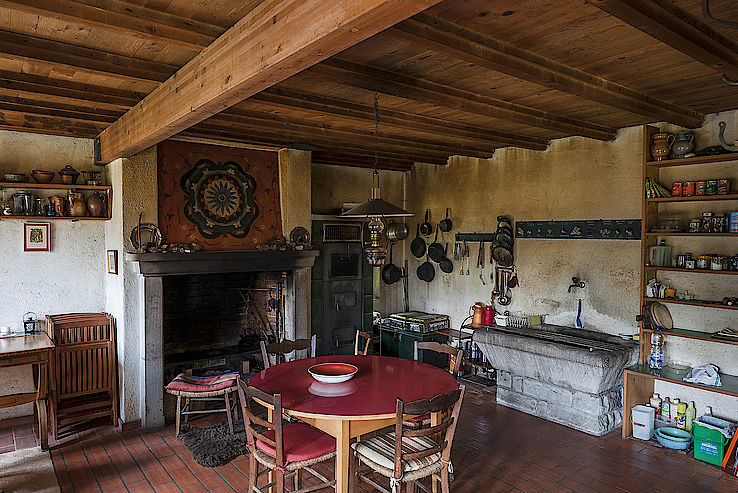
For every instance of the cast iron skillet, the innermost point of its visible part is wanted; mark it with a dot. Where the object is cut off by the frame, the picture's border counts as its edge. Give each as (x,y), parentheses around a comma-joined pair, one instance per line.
(426,228)
(390,272)
(445,264)
(445,225)
(417,246)
(435,251)
(426,272)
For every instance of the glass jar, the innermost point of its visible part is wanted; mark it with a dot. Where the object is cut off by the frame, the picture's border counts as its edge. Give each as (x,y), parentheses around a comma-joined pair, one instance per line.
(703,262)
(695,225)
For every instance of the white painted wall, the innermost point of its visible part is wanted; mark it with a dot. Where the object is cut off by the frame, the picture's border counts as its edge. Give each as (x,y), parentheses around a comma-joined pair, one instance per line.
(71,277)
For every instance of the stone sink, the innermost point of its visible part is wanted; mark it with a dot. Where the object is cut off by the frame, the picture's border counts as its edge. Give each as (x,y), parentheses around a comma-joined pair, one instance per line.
(566,375)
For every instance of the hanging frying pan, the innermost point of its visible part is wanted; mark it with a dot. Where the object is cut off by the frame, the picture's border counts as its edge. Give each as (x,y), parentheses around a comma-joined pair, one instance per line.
(417,246)
(435,250)
(445,264)
(445,225)
(502,243)
(390,272)
(426,228)
(502,256)
(504,236)
(426,272)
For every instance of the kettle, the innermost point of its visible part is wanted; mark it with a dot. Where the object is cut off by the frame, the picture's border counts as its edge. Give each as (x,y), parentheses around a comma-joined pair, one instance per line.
(478,315)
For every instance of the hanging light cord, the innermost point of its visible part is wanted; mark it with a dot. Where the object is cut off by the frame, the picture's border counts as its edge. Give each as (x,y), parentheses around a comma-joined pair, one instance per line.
(375,175)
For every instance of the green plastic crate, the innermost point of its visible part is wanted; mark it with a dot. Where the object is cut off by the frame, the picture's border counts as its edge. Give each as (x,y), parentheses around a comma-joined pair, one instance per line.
(709,444)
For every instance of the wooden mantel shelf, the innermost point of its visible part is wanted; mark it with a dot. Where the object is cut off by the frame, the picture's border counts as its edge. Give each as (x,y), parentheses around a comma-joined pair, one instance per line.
(173,264)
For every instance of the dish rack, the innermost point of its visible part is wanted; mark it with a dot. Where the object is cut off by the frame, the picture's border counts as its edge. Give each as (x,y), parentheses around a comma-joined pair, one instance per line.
(523,319)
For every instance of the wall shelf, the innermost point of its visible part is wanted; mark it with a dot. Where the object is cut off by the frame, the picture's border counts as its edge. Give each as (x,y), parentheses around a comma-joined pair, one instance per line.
(53,186)
(708,304)
(718,158)
(54,218)
(667,374)
(692,271)
(694,198)
(693,334)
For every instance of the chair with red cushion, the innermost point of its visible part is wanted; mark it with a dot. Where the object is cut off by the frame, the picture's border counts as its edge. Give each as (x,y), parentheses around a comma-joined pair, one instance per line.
(213,388)
(283,449)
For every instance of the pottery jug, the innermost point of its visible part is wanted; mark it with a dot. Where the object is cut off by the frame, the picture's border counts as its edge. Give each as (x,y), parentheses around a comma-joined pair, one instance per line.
(683,144)
(59,206)
(661,147)
(96,204)
(77,205)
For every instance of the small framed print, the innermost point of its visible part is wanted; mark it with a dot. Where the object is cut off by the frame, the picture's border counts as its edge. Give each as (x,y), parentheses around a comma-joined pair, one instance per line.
(36,237)
(113,262)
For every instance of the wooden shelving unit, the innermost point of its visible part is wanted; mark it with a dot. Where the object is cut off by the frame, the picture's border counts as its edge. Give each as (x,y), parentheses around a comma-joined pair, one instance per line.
(638,383)
(106,189)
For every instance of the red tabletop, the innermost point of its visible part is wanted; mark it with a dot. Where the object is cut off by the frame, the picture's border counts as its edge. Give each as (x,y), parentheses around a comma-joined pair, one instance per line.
(373,390)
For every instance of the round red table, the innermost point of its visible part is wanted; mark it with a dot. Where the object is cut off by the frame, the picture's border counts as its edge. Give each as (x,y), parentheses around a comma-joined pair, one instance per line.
(363,404)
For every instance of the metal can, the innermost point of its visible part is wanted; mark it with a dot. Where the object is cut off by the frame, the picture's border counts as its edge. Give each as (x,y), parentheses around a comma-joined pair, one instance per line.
(703,262)
(700,188)
(689,264)
(723,186)
(711,188)
(688,188)
(734,262)
(718,223)
(676,189)
(707,222)
(681,260)
(695,225)
(717,262)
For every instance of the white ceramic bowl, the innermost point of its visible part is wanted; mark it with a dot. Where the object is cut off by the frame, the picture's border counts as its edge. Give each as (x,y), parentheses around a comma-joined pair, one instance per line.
(332,372)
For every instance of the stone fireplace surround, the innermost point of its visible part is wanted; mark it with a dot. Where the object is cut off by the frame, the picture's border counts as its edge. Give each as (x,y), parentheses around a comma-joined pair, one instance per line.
(155,266)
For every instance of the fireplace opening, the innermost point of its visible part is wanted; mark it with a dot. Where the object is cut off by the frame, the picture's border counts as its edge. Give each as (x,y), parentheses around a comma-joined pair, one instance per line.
(213,323)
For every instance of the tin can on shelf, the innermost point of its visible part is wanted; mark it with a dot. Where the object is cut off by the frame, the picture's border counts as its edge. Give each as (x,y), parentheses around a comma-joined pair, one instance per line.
(718,262)
(734,262)
(700,188)
(723,187)
(711,187)
(688,188)
(689,264)
(719,222)
(703,262)
(707,222)
(676,189)
(734,221)
(695,225)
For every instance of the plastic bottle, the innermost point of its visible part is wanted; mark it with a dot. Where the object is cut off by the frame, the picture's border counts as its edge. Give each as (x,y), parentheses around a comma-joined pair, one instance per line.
(691,414)
(682,415)
(656,358)
(655,403)
(673,411)
(665,405)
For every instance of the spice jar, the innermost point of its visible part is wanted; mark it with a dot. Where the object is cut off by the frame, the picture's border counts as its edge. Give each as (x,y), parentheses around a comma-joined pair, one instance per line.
(717,262)
(703,262)
(718,223)
(695,225)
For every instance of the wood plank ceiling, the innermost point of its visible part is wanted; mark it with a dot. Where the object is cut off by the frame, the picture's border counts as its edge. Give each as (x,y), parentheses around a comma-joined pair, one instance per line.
(464,77)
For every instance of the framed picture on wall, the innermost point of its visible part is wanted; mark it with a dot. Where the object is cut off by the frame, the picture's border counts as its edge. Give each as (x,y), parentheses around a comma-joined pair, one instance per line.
(36,237)
(113,262)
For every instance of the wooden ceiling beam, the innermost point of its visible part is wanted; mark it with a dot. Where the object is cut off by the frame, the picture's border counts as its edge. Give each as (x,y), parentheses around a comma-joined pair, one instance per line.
(333,129)
(274,41)
(126,18)
(67,55)
(291,99)
(662,20)
(13,81)
(425,91)
(436,34)
(54,125)
(339,159)
(23,105)
(300,140)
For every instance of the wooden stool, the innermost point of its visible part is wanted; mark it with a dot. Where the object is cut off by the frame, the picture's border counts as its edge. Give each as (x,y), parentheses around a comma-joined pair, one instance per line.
(214,388)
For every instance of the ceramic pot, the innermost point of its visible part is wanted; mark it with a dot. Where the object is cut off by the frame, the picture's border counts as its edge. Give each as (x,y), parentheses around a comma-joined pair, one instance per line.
(77,205)
(96,204)
(683,144)
(59,205)
(661,146)
(69,175)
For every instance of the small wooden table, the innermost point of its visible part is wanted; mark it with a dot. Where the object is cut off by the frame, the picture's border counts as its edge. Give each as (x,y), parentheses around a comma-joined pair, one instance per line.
(32,349)
(364,404)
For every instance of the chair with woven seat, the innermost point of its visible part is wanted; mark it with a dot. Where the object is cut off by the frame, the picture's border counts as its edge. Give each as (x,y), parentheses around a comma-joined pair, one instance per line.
(200,389)
(456,360)
(360,334)
(408,455)
(281,349)
(284,449)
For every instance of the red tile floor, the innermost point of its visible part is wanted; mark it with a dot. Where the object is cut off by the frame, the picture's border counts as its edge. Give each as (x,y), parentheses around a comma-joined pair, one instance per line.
(496,449)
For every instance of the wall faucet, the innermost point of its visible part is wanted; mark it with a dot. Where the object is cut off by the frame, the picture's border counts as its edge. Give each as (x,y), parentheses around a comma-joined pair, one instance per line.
(576,283)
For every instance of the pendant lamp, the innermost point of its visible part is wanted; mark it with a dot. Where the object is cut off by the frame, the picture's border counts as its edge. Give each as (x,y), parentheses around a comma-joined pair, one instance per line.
(375,209)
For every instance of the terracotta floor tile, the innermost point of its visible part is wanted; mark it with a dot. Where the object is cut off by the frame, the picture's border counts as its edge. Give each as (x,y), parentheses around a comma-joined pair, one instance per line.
(131,474)
(139,487)
(157,476)
(194,488)
(210,479)
(172,463)
(183,477)
(170,487)
(113,486)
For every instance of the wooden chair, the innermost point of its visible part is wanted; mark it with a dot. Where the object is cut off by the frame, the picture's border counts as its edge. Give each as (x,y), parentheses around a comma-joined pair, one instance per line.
(201,389)
(359,335)
(406,455)
(281,349)
(284,450)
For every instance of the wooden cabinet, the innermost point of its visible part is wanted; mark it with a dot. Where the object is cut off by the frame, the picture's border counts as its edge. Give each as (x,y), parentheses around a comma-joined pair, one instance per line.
(639,380)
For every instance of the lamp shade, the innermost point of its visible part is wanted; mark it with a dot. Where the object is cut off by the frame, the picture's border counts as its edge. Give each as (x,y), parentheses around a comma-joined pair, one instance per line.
(376,207)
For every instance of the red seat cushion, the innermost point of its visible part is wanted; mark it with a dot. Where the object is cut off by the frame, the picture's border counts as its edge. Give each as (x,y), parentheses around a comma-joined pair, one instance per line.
(301,442)
(188,383)
(420,419)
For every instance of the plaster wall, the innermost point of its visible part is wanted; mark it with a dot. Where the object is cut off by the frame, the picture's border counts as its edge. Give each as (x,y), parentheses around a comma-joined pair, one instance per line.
(71,276)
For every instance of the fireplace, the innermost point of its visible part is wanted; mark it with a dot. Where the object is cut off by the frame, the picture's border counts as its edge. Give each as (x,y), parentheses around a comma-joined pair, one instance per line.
(196,316)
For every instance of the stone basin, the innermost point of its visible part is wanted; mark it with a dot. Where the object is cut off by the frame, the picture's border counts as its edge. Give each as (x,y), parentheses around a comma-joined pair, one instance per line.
(567,375)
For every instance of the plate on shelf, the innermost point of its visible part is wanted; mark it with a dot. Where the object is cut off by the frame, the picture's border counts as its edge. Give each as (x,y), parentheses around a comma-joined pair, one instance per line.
(332,372)
(145,235)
